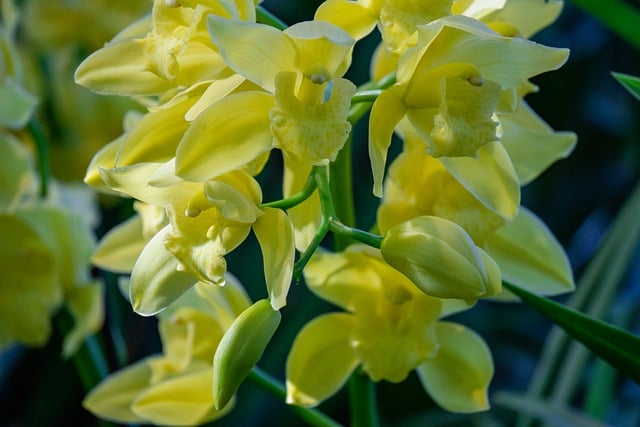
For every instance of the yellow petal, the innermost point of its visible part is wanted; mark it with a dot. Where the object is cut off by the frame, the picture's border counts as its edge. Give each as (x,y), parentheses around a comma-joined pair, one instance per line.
(490,177)
(15,170)
(386,112)
(530,256)
(255,51)
(236,195)
(181,401)
(16,104)
(225,136)
(458,377)
(86,306)
(155,280)
(532,145)
(120,67)
(319,43)
(320,360)
(529,16)
(351,16)
(217,90)
(306,216)
(275,236)
(29,279)
(112,398)
(120,247)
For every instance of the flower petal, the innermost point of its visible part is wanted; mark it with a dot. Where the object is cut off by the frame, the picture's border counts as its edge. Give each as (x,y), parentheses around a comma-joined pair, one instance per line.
(155,279)
(275,236)
(226,136)
(321,359)
(386,112)
(351,16)
(120,247)
(490,177)
(15,170)
(255,51)
(458,377)
(532,145)
(112,398)
(86,305)
(530,256)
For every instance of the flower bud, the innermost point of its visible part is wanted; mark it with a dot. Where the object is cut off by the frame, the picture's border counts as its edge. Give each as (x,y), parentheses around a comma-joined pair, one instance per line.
(440,258)
(240,349)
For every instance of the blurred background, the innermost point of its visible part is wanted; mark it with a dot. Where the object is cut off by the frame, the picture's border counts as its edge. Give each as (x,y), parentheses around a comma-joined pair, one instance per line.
(578,198)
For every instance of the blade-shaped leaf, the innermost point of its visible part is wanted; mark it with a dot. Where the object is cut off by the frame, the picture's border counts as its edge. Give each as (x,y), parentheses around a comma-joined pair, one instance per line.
(615,345)
(630,83)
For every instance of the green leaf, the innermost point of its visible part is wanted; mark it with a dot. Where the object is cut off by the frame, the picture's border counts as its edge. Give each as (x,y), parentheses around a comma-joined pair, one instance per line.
(630,83)
(615,345)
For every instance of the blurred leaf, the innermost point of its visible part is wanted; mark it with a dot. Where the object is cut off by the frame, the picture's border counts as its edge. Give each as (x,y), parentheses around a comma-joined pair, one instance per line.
(618,16)
(553,415)
(630,83)
(615,345)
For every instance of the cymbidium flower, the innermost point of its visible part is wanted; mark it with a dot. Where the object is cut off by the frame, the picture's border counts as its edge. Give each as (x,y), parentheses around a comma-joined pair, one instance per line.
(390,329)
(175,387)
(170,49)
(206,221)
(449,85)
(302,110)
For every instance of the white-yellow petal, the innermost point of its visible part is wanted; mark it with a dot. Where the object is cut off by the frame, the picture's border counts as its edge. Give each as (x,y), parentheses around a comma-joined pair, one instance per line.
(255,51)
(155,279)
(530,257)
(226,136)
(490,177)
(275,236)
(458,377)
(321,359)
(120,247)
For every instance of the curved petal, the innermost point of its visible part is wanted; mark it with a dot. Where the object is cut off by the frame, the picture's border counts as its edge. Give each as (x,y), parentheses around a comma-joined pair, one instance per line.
(112,398)
(529,16)
(119,249)
(532,145)
(386,113)
(226,136)
(155,279)
(458,377)
(15,170)
(305,216)
(275,236)
(490,177)
(180,401)
(85,304)
(120,68)
(351,16)
(321,359)
(530,256)
(16,104)
(255,51)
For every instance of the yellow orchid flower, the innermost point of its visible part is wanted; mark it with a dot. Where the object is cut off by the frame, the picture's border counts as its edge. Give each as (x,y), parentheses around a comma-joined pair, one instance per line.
(170,49)
(449,85)
(302,109)
(206,221)
(176,387)
(390,329)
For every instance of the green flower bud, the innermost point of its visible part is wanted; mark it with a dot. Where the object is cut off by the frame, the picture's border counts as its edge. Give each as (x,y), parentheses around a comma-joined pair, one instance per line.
(441,259)
(240,349)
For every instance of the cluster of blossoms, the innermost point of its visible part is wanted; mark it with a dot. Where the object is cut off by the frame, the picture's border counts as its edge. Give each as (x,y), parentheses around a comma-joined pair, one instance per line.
(222,92)
(45,248)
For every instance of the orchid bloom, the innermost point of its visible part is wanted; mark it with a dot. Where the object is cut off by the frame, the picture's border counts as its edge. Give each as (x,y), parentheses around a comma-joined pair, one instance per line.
(390,328)
(174,388)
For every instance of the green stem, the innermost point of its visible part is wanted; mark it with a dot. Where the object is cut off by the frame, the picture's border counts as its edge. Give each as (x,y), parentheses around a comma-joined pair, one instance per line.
(355,233)
(273,386)
(263,16)
(365,96)
(296,199)
(362,394)
(42,148)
